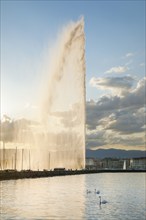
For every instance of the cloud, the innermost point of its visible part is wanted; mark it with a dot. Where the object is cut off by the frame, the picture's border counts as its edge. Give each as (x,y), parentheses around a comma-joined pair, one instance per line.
(142,64)
(129,55)
(95,138)
(115,140)
(111,121)
(120,84)
(17,131)
(117,120)
(30,106)
(6,118)
(126,122)
(135,99)
(129,63)
(118,69)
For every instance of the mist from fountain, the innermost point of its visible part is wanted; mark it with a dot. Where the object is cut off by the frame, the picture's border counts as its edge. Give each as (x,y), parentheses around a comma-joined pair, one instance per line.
(58,140)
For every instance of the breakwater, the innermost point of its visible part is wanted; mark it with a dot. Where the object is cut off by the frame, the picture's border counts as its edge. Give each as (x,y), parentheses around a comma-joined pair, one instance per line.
(9,175)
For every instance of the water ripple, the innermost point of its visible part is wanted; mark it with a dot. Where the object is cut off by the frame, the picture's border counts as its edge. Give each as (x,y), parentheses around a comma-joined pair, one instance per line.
(66,198)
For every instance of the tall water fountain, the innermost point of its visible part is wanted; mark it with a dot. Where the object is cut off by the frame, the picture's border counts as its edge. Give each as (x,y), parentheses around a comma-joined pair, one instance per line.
(58,140)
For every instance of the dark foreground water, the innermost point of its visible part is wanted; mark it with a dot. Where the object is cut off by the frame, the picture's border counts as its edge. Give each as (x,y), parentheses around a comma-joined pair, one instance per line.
(66,197)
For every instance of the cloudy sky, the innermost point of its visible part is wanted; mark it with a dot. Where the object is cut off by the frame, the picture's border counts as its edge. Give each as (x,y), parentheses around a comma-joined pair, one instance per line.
(115,63)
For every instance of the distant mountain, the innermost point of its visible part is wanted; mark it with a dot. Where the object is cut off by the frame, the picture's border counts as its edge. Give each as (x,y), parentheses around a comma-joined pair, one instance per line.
(102,153)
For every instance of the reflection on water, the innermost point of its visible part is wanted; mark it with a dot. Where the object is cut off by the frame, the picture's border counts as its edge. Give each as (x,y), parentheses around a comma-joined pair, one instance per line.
(67,198)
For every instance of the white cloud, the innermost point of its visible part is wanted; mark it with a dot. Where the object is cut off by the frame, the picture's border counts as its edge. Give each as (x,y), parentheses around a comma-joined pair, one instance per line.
(112,120)
(127,122)
(129,55)
(129,63)
(115,120)
(118,69)
(119,85)
(142,64)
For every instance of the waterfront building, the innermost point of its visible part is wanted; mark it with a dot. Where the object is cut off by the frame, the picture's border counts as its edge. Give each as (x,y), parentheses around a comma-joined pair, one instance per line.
(90,163)
(138,163)
(112,163)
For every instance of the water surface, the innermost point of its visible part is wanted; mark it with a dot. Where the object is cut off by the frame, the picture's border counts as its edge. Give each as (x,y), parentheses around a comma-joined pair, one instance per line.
(66,197)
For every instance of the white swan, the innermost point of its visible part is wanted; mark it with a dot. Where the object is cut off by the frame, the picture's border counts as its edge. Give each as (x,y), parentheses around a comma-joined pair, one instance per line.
(97,192)
(103,201)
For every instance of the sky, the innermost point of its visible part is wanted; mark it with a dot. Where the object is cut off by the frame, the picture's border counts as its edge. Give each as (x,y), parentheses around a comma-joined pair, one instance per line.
(115,63)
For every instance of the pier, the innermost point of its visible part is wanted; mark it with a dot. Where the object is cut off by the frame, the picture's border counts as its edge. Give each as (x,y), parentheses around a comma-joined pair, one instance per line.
(13,174)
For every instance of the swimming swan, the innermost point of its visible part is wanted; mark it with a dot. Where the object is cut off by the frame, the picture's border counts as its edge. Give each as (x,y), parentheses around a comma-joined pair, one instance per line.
(97,192)
(102,202)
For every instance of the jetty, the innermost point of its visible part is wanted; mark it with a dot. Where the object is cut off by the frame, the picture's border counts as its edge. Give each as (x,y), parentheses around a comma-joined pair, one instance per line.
(14,174)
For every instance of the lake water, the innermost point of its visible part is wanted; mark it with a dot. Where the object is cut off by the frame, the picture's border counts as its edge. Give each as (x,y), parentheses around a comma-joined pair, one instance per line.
(66,198)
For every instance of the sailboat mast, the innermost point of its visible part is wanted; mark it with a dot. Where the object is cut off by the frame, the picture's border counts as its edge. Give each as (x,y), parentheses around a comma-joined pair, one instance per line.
(29,161)
(16,158)
(22,159)
(3,155)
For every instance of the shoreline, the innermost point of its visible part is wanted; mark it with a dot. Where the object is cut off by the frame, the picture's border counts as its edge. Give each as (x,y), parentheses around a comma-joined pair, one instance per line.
(14,175)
